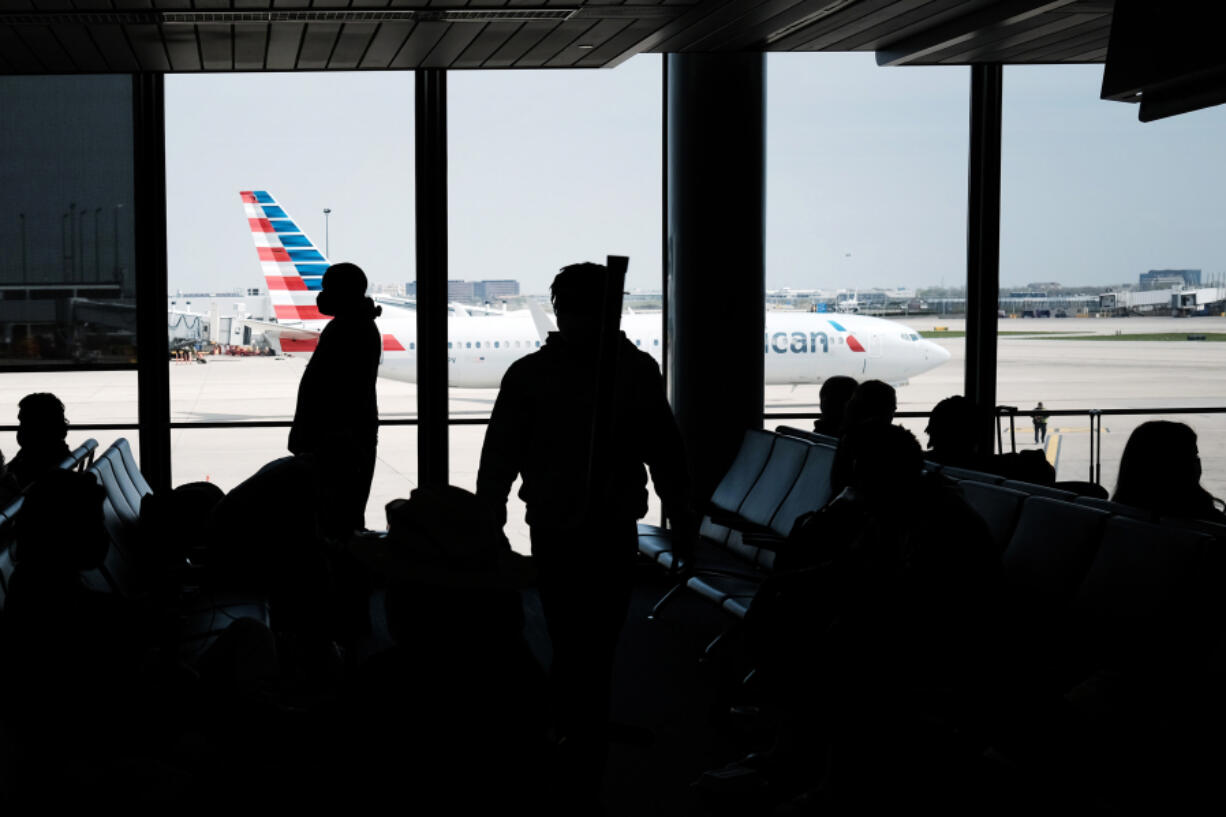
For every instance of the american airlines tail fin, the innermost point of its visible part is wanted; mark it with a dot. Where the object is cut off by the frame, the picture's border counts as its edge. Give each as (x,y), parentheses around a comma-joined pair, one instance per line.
(293,266)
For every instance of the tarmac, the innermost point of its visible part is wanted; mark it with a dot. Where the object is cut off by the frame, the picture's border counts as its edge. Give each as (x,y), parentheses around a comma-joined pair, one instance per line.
(1063,374)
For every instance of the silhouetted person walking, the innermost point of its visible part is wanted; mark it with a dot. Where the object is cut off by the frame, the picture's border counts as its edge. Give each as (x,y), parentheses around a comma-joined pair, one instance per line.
(338,413)
(41,431)
(584,547)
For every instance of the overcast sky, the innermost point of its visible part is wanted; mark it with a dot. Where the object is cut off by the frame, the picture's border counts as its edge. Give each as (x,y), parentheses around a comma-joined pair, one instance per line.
(866,174)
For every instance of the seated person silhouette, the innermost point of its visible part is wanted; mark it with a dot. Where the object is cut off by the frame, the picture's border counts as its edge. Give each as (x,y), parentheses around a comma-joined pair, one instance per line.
(872,401)
(455,613)
(266,537)
(41,431)
(951,433)
(1160,471)
(584,547)
(835,393)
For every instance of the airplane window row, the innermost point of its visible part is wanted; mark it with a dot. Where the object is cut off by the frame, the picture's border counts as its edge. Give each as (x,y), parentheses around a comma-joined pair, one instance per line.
(496,344)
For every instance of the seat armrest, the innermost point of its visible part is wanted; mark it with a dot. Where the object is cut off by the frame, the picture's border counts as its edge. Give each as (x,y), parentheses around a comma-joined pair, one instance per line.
(767,540)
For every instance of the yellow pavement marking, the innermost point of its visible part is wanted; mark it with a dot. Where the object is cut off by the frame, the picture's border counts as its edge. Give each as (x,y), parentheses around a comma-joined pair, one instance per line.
(1052,450)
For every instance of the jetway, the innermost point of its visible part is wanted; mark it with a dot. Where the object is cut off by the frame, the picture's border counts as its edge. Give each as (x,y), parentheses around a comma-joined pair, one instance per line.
(1163,301)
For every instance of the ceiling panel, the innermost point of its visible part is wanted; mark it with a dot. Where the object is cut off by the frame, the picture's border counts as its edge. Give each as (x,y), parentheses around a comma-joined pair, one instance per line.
(147,44)
(283,43)
(216,48)
(1088,36)
(992,46)
(317,46)
(812,24)
(351,45)
(552,44)
(250,46)
(51,54)
(700,32)
(620,47)
(386,44)
(485,44)
(451,44)
(753,28)
(114,46)
(182,47)
(17,54)
(879,30)
(77,42)
(596,36)
(520,43)
(422,40)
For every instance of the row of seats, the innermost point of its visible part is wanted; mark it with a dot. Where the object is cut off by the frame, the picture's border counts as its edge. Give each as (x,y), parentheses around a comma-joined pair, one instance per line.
(777,477)
(1090,586)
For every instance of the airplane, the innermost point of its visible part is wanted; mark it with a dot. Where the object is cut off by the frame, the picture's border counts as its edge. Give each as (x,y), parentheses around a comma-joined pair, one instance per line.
(799,347)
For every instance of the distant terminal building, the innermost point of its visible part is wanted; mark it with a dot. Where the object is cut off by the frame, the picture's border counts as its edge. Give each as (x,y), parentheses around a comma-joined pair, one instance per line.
(473,291)
(1167,278)
(459,290)
(493,290)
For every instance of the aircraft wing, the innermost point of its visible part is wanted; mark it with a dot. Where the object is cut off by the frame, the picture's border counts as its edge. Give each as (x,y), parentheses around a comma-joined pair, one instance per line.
(282,330)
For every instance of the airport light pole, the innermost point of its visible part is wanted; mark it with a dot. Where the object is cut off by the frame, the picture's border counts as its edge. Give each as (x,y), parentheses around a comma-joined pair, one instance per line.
(327,242)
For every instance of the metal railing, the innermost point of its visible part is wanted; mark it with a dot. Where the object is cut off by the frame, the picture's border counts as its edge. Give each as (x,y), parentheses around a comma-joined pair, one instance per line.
(1011,413)
(1003,413)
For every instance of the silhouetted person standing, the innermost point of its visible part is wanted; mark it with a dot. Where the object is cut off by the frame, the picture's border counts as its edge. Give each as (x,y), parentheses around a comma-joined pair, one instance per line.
(1040,424)
(337,415)
(41,430)
(584,547)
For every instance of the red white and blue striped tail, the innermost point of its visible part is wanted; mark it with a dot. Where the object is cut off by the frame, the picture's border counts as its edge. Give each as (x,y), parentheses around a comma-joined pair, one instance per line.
(293,266)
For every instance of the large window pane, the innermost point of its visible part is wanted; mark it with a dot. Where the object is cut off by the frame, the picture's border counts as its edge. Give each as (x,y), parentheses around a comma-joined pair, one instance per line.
(67,283)
(270,177)
(546,168)
(866,220)
(1104,216)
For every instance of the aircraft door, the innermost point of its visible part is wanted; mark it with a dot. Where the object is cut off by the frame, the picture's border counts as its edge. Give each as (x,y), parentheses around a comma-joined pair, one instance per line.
(874,346)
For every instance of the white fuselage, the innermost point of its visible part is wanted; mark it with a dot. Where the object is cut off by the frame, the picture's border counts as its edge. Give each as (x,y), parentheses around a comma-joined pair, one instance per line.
(800,347)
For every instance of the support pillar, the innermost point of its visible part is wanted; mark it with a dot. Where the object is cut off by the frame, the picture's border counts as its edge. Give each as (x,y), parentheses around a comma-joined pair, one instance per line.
(152,351)
(983,248)
(715,281)
(431,217)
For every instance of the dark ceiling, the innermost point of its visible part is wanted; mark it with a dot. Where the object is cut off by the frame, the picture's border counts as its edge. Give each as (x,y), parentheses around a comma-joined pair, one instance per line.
(100,36)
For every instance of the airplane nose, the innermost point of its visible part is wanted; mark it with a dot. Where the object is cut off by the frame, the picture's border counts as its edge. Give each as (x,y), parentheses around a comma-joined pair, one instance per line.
(935,353)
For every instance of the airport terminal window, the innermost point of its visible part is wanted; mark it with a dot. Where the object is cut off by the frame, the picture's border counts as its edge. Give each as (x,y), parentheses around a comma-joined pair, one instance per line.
(67,279)
(573,176)
(332,191)
(1104,216)
(866,216)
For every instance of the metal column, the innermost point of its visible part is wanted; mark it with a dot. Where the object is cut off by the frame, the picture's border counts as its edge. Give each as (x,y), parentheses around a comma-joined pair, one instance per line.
(715,253)
(152,354)
(430,127)
(983,246)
